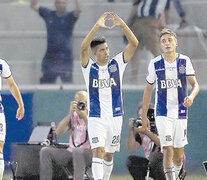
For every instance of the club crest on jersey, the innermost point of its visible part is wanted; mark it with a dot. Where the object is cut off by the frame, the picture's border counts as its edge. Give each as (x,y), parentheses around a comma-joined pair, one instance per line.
(103,83)
(113,68)
(182,69)
(170,83)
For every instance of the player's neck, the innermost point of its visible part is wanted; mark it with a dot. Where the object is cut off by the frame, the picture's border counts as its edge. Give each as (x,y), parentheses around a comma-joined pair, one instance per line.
(170,57)
(60,13)
(101,63)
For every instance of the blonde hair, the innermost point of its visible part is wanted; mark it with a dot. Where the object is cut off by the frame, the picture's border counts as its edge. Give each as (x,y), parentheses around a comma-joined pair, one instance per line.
(167,31)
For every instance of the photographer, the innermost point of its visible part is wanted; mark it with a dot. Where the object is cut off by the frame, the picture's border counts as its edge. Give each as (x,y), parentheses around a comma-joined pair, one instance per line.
(78,155)
(149,141)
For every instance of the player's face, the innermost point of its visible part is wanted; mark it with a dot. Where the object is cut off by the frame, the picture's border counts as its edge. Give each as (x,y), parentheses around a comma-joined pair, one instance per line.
(61,5)
(168,43)
(102,54)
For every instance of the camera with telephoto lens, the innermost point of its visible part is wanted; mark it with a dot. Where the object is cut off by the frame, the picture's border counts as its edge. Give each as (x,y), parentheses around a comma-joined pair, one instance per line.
(81,105)
(137,122)
(150,115)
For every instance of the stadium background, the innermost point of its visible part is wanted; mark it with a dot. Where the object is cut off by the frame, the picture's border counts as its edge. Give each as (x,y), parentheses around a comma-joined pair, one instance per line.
(23,43)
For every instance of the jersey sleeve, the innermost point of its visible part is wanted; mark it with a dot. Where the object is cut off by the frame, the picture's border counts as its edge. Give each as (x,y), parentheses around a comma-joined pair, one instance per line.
(71,18)
(189,68)
(6,72)
(86,69)
(120,60)
(44,12)
(151,76)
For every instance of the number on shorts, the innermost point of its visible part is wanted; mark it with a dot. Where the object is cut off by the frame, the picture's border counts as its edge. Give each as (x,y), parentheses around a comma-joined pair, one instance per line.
(115,139)
(1,127)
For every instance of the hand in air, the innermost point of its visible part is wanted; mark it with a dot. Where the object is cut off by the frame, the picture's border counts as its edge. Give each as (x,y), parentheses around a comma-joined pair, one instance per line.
(117,21)
(102,20)
(110,16)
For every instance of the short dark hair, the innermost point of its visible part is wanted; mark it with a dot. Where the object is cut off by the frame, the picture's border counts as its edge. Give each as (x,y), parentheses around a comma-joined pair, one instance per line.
(167,31)
(96,41)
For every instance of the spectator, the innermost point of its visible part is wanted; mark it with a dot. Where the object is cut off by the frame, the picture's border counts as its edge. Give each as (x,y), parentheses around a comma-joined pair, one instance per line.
(145,20)
(79,151)
(180,11)
(58,60)
(6,74)
(140,137)
(170,71)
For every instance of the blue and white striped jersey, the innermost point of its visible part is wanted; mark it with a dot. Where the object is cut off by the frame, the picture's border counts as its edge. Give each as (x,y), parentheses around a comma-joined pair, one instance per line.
(171,85)
(104,86)
(153,8)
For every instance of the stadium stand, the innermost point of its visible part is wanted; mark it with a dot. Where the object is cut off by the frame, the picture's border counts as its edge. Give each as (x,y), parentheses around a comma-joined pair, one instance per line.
(23,37)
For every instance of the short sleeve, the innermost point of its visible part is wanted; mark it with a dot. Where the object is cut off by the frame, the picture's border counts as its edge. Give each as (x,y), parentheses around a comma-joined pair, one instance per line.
(5,70)
(71,17)
(44,12)
(120,60)
(151,76)
(189,68)
(86,69)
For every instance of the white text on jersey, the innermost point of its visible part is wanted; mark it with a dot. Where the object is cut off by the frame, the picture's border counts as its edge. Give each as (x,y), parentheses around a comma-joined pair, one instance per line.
(103,83)
(171,83)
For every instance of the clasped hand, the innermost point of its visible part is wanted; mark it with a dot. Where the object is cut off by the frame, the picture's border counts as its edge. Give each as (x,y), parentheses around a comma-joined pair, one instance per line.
(110,16)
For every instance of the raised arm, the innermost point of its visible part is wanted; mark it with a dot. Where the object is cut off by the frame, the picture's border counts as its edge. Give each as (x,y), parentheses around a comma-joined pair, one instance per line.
(34,4)
(132,15)
(132,40)
(188,101)
(63,125)
(85,46)
(78,7)
(17,95)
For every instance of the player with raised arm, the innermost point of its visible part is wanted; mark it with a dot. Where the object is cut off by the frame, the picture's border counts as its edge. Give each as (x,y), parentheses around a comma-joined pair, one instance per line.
(6,74)
(104,85)
(170,71)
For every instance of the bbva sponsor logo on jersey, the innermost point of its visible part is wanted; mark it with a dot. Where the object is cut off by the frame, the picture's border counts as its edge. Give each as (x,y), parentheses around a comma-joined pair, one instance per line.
(104,83)
(170,83)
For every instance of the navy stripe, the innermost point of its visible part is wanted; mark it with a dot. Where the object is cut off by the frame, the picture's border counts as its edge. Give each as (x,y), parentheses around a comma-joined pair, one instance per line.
(161,108)
(94,91)
(142,9)
(182,91)
(1,108)
(0,67)
(113,69)
(153,7)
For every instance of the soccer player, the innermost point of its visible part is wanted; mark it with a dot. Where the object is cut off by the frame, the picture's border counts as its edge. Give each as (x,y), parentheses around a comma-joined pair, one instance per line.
(6,74)
(170,71)
(104,84)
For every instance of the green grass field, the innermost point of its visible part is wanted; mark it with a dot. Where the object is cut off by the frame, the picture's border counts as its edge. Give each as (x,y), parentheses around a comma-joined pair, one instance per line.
(7,176)
(188,177)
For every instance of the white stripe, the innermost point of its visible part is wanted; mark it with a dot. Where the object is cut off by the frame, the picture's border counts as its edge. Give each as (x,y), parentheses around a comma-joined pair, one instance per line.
(147,8)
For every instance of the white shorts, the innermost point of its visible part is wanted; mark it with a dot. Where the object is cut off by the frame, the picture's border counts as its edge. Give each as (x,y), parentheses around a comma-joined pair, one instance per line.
(105,132)
(172,132)
(2,127)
